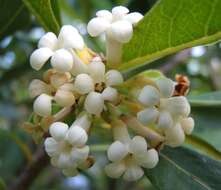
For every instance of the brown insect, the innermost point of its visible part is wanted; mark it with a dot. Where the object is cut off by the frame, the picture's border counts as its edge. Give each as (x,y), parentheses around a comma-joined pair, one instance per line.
(182,86)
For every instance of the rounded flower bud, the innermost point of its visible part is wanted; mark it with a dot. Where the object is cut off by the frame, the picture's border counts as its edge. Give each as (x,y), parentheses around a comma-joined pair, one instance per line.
(77,136)
(97,71)
(64,98)
(42,105)
(79,155)
(117,151)
(148,116)
(133,173)
(62,60)
(115,170)
(83,120)
(94,103)
(104,14)
(58,130)
(165,120)
(134,18)
(151,159)
(187,125)
(83,84)
(39,57)
(175,136)
(119,12)
(149,96)
(49,40)
(51,146)
(110,94)
(113,78)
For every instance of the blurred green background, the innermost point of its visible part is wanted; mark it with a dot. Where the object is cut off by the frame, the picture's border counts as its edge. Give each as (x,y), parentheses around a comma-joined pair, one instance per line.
(201,64)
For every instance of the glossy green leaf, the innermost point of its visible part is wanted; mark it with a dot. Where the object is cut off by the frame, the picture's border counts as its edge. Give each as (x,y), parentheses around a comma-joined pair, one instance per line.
(46,12)
(181,168)
(171,26)
(205,100)
(13,16)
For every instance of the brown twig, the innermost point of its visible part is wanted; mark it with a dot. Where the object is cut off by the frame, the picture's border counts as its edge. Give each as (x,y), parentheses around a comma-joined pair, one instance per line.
(31,171)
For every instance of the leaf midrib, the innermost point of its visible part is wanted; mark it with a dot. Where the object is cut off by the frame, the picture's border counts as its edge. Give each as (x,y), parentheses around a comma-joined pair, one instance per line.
(194,177)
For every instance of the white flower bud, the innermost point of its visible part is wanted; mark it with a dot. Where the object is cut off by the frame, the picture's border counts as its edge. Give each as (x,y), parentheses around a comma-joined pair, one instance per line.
(150,159)
(138,145)
(187,125)
(165,120)
(117,151)
(79,155)
(104,14)
(58,130)
(42,105)
(77,136)
(39,57)
(115,170)
(175,136)
(69,37)
(97,71)
(119,12)
(110,94)
(94,103)
(113,78)
(64,98)
(62,60)
(98,25)
(121,31)
(37,87)
(51,146)
(148,116)
(133,173)
(166,87)
(83,84)
(49,40)
(149,96)
(178,106)
(134,18)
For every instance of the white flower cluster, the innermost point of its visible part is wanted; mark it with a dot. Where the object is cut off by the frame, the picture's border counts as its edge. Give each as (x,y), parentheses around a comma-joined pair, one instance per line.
(169,113)
(66,146)
(117,27)
(128,155)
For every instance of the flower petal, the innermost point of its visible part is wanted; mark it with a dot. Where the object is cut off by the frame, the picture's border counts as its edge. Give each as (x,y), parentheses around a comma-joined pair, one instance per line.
(62,60)
(110,94)
(42,105)
(187,125)
(37,87)
(148,116)
(117,151)
(39,57)
(134,17)
(138,145)
(133,173)
(69,37)
(49,40)
(104,14)
(165,120)
(70,172)
(77,136)
(97,71)
(166,87)
(121,31)
(51,146)
(64,98)
(83,120)
(58,130)
(64,161)
(94,103)
(119,12)
(79,155)
(149,96)
(113,78)
(83,84)
(97,26)
(115,170)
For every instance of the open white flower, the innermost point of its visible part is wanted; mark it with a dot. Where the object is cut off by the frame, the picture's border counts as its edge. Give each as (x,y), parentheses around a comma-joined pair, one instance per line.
(118,28)
(166,111)
(66,147)
(129,156)
(58,49)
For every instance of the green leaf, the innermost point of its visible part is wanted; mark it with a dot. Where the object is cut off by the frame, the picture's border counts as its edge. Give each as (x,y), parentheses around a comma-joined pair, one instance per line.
(13,16)
(181,168)
(170,27)
(203,146)
(2,184)
(46,12)
(206,100)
